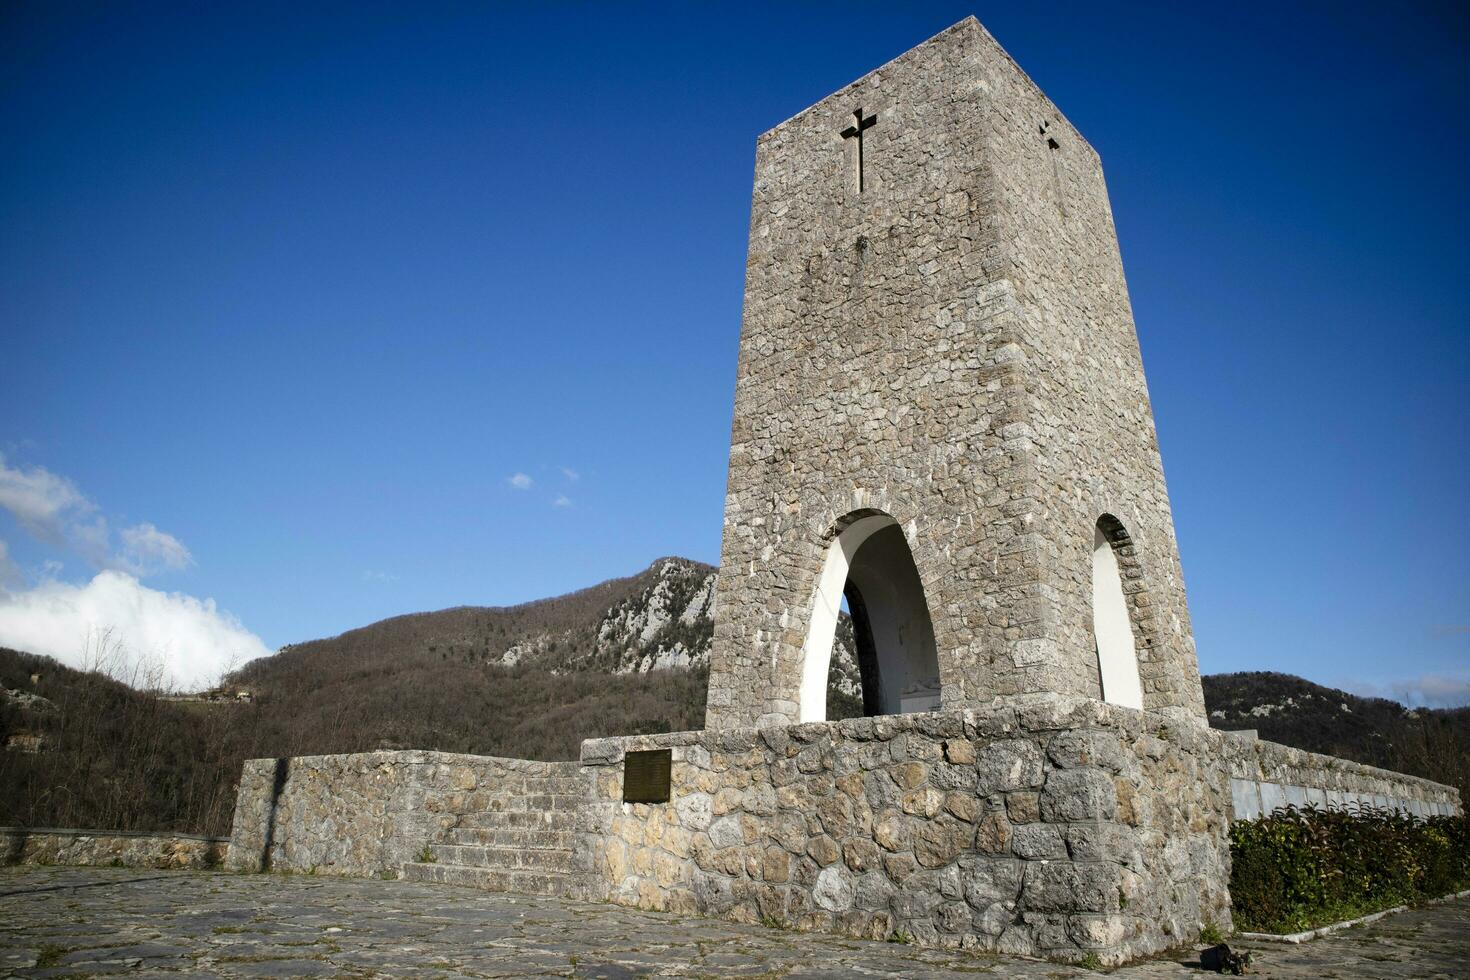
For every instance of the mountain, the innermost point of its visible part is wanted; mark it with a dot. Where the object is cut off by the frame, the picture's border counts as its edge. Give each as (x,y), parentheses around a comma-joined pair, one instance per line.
(628,656)
(658,619)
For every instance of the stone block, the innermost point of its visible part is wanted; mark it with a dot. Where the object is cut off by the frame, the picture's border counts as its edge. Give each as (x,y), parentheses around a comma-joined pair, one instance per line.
(1038,841)
(602,751)
(862,854)
(834,889)
(925,802)
(988,881)
(899,866)
(1007,765)
(823,850)
(759,800)
(775,865)
(1103,842)
(1069,887)
(892,831)
(938,841)
(695,811)
(908,775)
(963,806)
(1024,807)
(1078,794)
(726,832)
(1100,749)
(873,891)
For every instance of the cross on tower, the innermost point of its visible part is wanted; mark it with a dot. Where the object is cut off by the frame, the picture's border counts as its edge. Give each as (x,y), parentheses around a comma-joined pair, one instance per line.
(857,130)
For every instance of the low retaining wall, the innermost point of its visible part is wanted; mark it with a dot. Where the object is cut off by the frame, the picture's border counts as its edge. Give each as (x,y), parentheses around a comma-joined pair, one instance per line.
(1040,825)
(110,848)
(1266,776)
(365,814)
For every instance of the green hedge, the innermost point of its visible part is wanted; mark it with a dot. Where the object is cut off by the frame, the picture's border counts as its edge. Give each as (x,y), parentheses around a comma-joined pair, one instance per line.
(1299,869)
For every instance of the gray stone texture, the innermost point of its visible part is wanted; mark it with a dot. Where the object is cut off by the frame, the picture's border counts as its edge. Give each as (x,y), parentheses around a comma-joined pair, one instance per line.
(1265,777)
(374,813)
(22,845)
(1043,824)
(1039,824)
(953,346)
(90,922)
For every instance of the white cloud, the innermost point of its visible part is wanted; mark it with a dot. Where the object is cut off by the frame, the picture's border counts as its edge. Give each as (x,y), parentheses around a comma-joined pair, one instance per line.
(1433,691)
(146,550)
(52,509)
(384,578)
(570,474)
(191,641)
(45,504)
(10,573)
(521,481)
(562,500)
(1423,691)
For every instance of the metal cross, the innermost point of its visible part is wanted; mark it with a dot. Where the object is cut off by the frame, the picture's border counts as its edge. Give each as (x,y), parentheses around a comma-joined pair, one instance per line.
(857,130)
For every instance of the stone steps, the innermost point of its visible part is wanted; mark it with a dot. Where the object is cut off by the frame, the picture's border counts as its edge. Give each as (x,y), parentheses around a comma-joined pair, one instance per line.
(544,813)
(543,787)
(552,784)
(539,802)
(526,843)
(544,859)
(523,837)
(491,879)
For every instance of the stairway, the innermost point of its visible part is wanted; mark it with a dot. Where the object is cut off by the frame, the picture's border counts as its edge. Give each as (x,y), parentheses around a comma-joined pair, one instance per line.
(526,846)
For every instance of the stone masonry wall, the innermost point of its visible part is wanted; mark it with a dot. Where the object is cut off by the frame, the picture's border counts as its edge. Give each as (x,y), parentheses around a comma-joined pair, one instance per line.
(1042,825)
(369,813)
(110,848)
(1265,776)
(951,346)
(1089,427)
(1046,825)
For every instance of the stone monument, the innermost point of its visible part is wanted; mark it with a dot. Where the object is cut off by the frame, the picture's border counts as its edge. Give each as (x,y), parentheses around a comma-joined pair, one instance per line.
(941,413)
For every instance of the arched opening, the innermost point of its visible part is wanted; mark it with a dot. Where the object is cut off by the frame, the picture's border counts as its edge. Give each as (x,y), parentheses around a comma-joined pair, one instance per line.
(870,565)
(1112,627)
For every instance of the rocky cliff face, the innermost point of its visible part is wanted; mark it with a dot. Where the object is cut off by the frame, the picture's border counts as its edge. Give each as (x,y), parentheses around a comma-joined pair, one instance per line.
(670,623)
(667,624)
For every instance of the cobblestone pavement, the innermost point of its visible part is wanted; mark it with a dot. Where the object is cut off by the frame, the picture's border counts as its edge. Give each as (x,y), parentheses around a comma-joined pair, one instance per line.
(81,921)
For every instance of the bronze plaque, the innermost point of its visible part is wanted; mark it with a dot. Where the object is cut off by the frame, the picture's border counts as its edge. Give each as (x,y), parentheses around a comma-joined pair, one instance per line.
(646,776)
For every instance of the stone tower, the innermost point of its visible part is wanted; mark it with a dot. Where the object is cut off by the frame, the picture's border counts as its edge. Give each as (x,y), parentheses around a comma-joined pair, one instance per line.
(941,413)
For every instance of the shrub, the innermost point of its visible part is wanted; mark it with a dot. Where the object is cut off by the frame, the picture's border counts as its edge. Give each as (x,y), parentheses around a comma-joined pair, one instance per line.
(1299,869)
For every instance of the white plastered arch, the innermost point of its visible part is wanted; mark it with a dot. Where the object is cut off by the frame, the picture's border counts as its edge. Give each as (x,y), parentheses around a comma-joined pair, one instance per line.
(816,652)
(1112,627)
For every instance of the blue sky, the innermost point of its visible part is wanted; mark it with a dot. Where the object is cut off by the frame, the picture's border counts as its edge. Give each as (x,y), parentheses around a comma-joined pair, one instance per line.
(289,297)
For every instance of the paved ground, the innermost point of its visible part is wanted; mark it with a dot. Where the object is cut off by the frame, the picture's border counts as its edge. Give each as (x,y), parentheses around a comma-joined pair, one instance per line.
(78,921)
